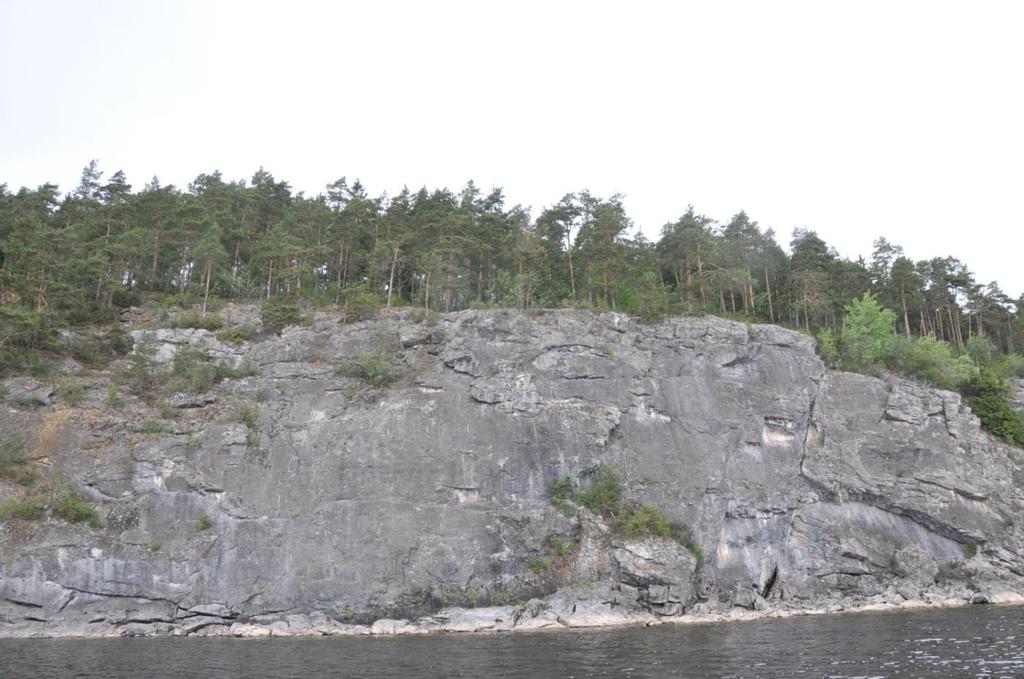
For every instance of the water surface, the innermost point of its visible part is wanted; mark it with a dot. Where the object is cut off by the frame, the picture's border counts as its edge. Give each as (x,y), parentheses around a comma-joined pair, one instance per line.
(979,641)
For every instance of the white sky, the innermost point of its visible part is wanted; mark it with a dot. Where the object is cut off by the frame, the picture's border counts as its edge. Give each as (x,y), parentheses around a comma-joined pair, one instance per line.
(855,119)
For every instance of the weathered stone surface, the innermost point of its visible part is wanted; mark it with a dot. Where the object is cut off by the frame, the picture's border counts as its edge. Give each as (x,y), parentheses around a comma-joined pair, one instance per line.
(349,508)
(662,571)
(181,400)
(1017,395)
(26,391)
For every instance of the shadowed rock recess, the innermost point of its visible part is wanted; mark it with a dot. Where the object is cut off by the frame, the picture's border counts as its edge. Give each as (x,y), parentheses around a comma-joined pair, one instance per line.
(422,503)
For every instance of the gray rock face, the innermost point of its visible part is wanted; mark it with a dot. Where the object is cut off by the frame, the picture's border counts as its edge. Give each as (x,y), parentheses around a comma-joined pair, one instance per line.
(26,391)
(346,504)
(1017,396)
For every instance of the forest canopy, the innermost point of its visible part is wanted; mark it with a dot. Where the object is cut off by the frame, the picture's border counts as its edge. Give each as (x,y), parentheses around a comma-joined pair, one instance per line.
(81,257)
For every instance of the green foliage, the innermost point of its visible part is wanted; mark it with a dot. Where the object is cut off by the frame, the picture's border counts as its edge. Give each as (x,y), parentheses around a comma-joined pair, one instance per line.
(555,550)
(12,450)
(247,416)
(153,427)
(243,333)
(866,335)
(19,361)
(192,371)
(96,350)
(970,550)
(168,412)
(197,320)
(13,461)
(362,306)
(377,370)
(78,259)
(203,524)
(1014,365)
(927,359)
(828,347)
(637,523)
(142,376)
(989,400)
(154,546)
(26,509)
(22,334)
(696,550)
(73,509)
(70,391)
(560,494)
(278,315)
(420,315)
(112,399)
(604,494)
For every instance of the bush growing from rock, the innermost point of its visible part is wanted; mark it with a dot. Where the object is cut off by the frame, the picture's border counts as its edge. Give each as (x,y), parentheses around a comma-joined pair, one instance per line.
(27,509)
(377,370)
(73,509)
(362,306)
(196,320)
(278,315)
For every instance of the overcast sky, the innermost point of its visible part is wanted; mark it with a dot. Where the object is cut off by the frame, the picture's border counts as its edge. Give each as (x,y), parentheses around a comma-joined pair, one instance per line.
(857,119)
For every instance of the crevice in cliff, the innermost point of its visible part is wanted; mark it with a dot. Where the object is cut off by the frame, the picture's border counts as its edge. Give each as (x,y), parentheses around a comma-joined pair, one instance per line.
(749,357)
(958,491)
(111,595)
(772,579)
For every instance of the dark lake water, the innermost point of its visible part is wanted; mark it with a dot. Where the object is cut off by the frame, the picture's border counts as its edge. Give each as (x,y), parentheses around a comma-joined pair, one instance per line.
(980,641)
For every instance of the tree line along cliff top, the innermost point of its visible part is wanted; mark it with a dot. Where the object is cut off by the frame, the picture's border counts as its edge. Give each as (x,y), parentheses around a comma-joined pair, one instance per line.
(82,257)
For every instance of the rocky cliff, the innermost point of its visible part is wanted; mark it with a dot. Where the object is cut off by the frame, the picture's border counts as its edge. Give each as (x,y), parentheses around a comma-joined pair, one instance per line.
(314,497)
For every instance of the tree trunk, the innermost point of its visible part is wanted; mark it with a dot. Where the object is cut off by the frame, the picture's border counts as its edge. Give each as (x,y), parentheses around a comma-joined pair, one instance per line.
(391,279)
(906,318)
(341,260)
(426,292)
(700,276)
(572,274)
(206,290)
(768,289)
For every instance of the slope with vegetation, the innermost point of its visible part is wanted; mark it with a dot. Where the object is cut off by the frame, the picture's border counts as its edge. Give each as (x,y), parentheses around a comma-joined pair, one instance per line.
(81,258)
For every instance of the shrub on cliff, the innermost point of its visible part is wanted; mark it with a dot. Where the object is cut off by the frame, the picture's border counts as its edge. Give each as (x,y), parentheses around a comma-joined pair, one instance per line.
(278,315)
(73,510)
(196,320)
(362,306)
(927,359)
(605,496)
(988,396)
(377,369)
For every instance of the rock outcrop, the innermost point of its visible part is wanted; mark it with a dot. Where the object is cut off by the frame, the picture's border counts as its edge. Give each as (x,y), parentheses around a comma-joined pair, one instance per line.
(330,505)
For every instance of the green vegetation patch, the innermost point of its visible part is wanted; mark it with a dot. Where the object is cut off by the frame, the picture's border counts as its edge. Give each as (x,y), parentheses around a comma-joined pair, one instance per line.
(153,427)
(24,509)
(192,371)
(605,496)
(277,315)
(377,369)
(243,333)
(70,391)
(362,306)
(197,320)
(989,397)
(71,508)
(14,464)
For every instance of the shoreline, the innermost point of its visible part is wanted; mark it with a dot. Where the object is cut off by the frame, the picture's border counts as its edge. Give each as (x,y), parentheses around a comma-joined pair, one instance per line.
(493,620)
